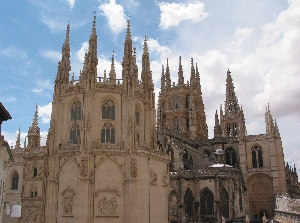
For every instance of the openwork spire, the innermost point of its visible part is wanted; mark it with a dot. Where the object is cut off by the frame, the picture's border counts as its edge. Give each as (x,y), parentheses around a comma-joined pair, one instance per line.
(231,102)
(34,132)
(18,141)
(64,65)
(180,74)
(162,79)
(271,126)
(127,58)
(192,78)
(168,78)
(112,73)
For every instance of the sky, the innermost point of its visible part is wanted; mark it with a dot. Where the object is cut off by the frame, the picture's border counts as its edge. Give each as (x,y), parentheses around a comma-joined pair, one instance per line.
(259,41)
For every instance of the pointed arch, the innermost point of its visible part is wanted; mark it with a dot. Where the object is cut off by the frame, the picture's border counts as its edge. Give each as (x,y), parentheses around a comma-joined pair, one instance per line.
(231,157)
(108,109)
(14,180)
(66,160)
(188,202)
(224,203)
(173,205)
(206,202)
(187,160)
(257,156)
(75,109)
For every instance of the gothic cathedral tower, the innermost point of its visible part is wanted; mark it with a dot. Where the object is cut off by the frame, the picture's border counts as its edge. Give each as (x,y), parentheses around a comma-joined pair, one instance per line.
(104,163)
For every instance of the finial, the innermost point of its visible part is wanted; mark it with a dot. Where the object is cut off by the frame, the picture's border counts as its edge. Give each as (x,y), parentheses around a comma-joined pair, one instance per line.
(134,51)
(128,23)
(167,62)
(179,60)
(192,62)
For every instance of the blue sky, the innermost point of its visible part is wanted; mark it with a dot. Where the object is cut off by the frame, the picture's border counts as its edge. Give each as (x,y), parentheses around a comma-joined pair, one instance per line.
(259,41)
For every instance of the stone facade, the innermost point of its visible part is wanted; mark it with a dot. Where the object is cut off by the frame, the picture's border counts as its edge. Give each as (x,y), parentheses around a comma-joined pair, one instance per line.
(109,159)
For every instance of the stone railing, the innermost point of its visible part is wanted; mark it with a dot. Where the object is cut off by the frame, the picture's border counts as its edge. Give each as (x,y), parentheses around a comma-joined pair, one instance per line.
(287,210)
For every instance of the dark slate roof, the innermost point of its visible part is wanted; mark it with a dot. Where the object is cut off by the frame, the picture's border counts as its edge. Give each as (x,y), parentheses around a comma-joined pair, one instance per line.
(4,114)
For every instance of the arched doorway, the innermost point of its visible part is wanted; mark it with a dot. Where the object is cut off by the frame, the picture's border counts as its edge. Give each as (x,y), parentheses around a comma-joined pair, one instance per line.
(261,196)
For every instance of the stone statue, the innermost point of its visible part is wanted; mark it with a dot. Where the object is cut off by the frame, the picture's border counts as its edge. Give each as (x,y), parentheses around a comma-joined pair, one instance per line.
(264,218)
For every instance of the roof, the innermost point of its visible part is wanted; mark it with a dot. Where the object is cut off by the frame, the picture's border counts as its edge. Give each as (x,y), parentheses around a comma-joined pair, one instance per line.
(4,114)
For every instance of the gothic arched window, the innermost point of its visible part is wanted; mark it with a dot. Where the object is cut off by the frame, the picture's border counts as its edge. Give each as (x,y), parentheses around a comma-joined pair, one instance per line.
(187,160)
(15,181)
(207,202)
(108,133)
(137,117)
(74,134)
(231,130)
(175,102)
(108,110)
(257,156)
(188,202)
(35,172)
(76,111)
(230,157)
(176,124)
(224,203)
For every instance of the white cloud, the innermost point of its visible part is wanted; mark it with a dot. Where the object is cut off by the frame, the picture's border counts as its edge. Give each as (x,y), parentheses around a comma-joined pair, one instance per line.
(174,13)
(45,113)
(81,52)
(53,55)
(115,15)
(71,3)
(14,53)
(154,47)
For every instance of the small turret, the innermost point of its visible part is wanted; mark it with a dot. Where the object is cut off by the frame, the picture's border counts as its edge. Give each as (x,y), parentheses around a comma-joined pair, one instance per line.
(162,79)
(217,128)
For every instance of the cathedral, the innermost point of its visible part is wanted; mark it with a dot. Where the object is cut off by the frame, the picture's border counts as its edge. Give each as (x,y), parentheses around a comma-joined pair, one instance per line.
(111,157)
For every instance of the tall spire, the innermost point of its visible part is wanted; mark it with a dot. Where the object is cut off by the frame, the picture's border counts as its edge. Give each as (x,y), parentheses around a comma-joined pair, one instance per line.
(168,78)
(192,78)
(146,73)
(127,51)
(89,71)
(64,65)
(34,132)
(112,73)
(180,74)
(217,128)
(231,102)
(162,79)
(18,142)
(271,126)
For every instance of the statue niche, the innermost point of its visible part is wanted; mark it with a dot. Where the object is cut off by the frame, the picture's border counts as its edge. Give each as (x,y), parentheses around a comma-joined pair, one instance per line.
(68,201)
(107,207)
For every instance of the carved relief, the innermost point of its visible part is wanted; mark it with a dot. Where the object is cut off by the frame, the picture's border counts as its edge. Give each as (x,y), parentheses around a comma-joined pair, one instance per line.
(89,125)
(133,168)
(153,178)
(68,201)
(28,171)
(84,167)
(129,124)
(33,190)
(31,215)
(40,170)
(165,180)
(107,207)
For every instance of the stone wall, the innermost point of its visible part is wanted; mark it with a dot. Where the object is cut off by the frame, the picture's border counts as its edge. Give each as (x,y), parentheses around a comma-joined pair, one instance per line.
(287,210)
